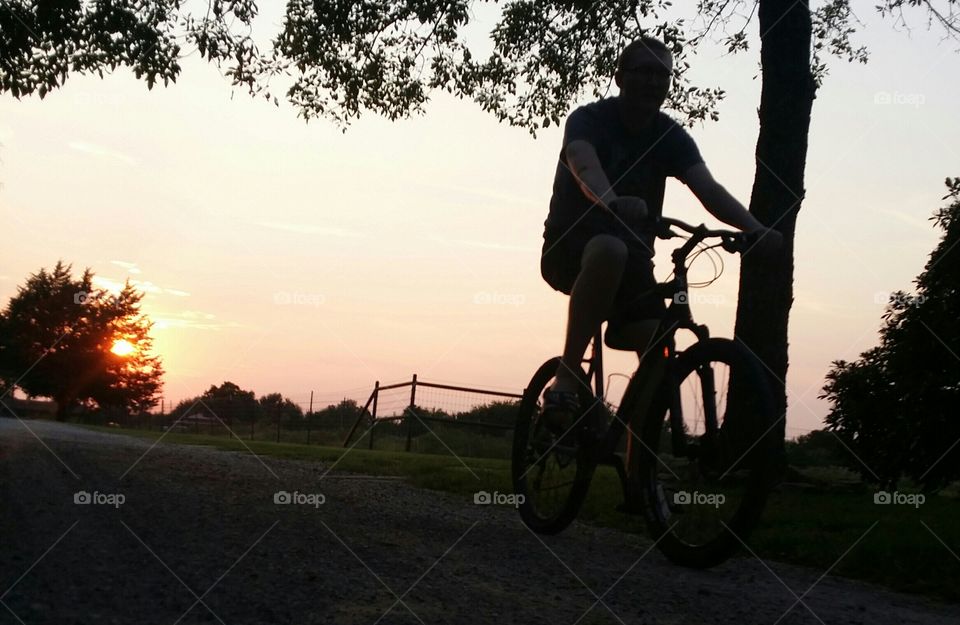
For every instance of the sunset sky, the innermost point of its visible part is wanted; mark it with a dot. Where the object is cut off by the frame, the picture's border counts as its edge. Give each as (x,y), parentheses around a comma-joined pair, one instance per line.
(291,257)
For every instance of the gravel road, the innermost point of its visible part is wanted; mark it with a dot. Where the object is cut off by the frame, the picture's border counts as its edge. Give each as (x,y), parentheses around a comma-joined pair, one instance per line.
(198,538)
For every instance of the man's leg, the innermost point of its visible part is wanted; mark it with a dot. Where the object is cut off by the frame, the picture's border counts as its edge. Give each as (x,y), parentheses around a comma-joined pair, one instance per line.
(643,335)
(638,329)
(592,296)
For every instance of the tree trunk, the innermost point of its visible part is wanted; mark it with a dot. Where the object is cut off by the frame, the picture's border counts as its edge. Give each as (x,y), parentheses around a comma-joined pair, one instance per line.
(766,284)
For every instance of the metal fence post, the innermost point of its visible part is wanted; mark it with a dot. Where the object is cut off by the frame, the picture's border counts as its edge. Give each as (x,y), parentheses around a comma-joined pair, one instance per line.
(411,413)
(373,424)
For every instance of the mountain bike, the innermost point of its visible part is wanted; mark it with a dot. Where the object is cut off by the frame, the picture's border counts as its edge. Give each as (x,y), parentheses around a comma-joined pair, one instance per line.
(704,465)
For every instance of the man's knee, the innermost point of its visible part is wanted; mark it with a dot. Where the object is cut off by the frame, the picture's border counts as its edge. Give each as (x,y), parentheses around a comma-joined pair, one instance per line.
(606,252)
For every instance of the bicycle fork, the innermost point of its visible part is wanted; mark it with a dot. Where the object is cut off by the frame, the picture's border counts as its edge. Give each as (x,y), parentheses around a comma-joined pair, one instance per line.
(701,447)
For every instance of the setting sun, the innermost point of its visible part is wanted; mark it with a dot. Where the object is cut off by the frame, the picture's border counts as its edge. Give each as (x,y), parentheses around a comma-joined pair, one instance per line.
(122,347)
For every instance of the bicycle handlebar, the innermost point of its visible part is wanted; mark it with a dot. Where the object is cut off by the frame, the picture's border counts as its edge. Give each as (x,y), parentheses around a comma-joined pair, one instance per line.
(731,241)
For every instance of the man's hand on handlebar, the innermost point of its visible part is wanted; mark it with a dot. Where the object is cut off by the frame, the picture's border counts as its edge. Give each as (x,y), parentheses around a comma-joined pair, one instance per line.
(631,209)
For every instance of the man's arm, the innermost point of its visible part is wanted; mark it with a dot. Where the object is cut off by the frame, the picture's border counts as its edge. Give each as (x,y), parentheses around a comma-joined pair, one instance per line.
(585,166)
(718,201)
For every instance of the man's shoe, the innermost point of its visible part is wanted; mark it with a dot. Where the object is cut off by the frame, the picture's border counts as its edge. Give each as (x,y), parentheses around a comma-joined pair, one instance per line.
(561,409)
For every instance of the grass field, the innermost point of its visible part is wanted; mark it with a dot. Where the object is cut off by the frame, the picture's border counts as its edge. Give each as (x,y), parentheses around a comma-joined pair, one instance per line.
(835,527)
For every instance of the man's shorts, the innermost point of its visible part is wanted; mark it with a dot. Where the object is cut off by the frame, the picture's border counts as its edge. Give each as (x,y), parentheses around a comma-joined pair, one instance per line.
(560,265)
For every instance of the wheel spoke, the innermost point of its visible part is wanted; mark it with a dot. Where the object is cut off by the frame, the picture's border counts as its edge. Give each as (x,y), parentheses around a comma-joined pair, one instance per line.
(550,474)
(699,499)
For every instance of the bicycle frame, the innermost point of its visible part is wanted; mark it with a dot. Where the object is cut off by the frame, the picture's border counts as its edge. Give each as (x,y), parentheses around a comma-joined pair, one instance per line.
(678,316)
(567,460)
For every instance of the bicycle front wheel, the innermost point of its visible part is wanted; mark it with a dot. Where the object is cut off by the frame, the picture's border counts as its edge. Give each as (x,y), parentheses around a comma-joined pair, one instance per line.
(707,464)
(551,474)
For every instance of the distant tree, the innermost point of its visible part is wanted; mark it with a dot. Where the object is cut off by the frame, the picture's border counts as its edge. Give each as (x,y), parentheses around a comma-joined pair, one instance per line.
(335,416)
(418,419)
(501,412)
(56,336)
(896,406)
(227,402)
(817,448)
(277,408)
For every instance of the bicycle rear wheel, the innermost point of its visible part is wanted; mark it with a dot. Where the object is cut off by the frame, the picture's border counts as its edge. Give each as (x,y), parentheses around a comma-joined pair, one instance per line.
(705,490)
(551,473)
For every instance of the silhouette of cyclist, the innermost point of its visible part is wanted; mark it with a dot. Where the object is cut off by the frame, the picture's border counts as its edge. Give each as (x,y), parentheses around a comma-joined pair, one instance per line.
(616,155)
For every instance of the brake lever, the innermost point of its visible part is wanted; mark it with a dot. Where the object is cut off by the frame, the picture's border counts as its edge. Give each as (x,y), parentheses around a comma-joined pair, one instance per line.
(731,243)
(739,242)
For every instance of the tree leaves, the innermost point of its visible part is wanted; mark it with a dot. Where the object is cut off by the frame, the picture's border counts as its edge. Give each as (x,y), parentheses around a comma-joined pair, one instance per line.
(57,332)
(42,42)
(346,58)
(338,59)
(895,407)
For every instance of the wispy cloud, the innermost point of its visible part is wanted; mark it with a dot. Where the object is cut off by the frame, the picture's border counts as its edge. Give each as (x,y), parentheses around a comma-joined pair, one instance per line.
(147,287)
(130,267)
(916,222)
(99,150)
(191,319)
(107,284)
(309,229)
(115,286)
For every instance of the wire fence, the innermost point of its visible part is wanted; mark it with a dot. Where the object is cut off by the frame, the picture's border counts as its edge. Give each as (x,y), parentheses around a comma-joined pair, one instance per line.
(428,417)
(413,416)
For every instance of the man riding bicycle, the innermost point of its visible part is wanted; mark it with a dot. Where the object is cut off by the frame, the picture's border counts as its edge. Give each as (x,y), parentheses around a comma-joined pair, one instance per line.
(616,155)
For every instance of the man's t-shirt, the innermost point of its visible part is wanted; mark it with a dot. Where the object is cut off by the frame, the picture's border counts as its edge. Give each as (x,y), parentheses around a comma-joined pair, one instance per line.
(635,165)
